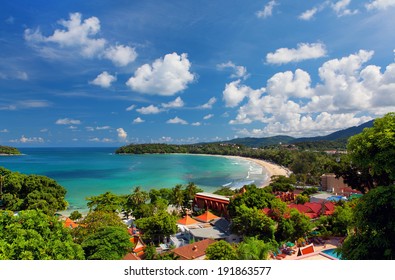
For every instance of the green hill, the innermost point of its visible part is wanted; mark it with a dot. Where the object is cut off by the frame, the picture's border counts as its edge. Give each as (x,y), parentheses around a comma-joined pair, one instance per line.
(5,150)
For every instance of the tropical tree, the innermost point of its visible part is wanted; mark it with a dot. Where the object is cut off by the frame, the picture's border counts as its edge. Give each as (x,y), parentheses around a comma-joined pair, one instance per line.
(292,225)
(23,192)
(373,235)
(372,156)
(253,222)
(221,250)
(105,202)
(254,249)
(252,197)
(93,222)
(33,235)
(189,194)
(178,196)
(158,226)
(75,215)
(108,243)
(137,198)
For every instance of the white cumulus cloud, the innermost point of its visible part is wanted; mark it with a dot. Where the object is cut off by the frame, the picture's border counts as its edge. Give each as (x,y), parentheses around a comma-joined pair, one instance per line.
(104,80)
(235,93)
(121,55)
(165,76)
(303,51)
(138,120)
(177,120)
(177,103)
(122,135)
(149,110)
(76,34)
(239,72)
(349,93)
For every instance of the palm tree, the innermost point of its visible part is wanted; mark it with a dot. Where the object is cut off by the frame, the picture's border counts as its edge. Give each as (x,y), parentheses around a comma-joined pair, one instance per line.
(190,191)
(253,249)
(136,198)
(178,196)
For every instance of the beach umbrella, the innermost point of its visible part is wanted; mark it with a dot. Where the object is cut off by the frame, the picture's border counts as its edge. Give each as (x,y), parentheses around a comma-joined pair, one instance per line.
(289,244)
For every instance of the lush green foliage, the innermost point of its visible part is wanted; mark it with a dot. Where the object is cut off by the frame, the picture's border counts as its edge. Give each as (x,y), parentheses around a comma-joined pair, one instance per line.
(107,243)
(23,192)
(75,215)
(253,197)
(372,155)
(32,235)
(221,250)
(373,234)
(253,222)
(5,150)
(157,226)
(105,202)
(225,191)
(93,222)
(254,249)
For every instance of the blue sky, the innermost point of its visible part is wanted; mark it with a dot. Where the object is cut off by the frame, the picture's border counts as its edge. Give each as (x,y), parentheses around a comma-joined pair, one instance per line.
(108,73)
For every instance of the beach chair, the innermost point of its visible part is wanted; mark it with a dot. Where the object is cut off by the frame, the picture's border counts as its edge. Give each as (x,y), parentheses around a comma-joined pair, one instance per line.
(274,256)
(280,254)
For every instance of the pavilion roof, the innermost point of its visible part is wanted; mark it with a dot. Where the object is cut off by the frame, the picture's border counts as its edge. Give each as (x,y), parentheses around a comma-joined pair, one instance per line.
(206,217)
(187,220)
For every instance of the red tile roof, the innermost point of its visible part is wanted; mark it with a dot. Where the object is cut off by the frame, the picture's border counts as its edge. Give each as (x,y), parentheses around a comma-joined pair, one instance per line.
(193,251)
(131,257)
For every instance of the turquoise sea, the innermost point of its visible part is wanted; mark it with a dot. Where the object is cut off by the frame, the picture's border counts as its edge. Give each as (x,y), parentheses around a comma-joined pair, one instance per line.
(92,171)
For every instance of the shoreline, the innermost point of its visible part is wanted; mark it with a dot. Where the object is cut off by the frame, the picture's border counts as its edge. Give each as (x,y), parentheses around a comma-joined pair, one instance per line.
(271,169)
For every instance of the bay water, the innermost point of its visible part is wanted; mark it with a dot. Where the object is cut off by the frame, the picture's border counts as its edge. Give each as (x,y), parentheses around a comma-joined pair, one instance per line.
(87,172)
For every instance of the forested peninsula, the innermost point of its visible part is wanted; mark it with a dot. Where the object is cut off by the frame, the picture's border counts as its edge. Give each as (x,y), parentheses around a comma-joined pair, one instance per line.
(5,150)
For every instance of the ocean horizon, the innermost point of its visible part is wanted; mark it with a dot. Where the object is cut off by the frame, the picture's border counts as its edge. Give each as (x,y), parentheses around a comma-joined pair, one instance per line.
(90,171)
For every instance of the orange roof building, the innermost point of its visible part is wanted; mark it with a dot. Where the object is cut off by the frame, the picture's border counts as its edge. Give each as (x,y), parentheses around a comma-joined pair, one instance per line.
(69,223)
(207,217)
(187,220)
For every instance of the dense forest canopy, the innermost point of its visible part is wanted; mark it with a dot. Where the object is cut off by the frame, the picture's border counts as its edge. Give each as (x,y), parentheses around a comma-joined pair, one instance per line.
(23,192)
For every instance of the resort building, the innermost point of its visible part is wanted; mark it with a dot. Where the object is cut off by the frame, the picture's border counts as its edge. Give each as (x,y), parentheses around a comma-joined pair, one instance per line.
(208,201)
(330,183)
(205,226)
(194,251)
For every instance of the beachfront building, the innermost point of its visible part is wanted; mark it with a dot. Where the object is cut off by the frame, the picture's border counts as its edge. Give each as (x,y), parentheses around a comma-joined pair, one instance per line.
(209,201)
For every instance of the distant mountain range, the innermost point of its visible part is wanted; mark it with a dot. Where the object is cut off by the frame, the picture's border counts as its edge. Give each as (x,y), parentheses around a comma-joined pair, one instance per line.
(336,139)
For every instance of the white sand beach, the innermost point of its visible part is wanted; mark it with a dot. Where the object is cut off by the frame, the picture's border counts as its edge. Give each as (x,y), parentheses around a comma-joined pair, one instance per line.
(271,168)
